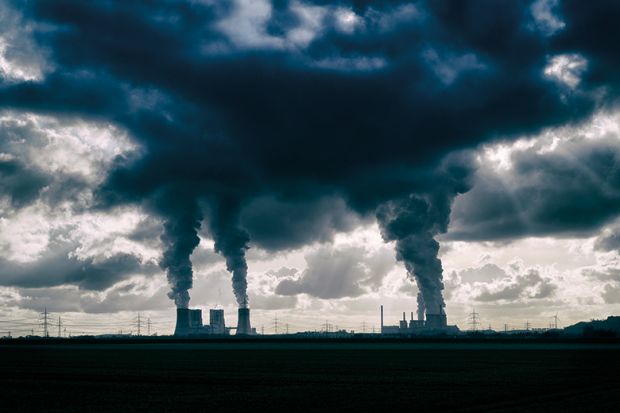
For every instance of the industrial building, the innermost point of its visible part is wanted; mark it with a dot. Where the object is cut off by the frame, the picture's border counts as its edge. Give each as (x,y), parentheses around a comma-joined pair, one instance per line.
(434,323)
(189,323)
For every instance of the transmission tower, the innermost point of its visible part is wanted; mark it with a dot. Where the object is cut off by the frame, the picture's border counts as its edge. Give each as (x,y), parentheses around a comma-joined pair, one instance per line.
(45,329)
(275,323)
(328,326)
(555,321)
(148,325)
(59,325)
(474,318)
(139,324)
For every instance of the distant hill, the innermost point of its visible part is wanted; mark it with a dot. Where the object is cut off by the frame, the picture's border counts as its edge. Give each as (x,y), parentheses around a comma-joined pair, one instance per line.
(596,328)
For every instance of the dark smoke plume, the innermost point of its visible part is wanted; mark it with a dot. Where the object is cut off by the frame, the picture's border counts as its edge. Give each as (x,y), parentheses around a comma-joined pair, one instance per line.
(179,239)
(421,306)
(232,242)
(415,220)
(410,222)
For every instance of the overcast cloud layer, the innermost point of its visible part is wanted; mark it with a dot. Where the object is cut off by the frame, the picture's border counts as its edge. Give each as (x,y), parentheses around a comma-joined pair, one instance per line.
(132,131)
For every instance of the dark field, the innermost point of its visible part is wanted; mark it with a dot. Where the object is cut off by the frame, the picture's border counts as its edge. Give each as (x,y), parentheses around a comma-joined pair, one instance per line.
(309,377)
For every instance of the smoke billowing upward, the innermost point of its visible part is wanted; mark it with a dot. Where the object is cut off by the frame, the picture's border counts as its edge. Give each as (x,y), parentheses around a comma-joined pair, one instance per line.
(232,242)
(421,306)
(410,222)
(179,238)
(415,220)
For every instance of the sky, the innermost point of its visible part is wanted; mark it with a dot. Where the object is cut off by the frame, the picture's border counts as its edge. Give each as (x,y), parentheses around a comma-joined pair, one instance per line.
(311,159)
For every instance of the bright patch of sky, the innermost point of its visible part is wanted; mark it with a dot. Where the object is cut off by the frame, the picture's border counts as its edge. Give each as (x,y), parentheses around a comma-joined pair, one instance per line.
(566,69)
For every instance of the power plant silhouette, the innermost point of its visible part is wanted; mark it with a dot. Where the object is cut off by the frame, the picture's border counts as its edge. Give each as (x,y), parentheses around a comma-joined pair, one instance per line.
(189,323)
(434,323)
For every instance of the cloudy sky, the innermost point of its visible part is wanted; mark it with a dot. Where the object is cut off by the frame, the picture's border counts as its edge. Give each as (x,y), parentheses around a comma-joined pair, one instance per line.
(314,159)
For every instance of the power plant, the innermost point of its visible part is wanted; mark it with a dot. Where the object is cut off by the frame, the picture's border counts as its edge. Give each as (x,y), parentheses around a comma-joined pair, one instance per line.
(434,323)
(189,323)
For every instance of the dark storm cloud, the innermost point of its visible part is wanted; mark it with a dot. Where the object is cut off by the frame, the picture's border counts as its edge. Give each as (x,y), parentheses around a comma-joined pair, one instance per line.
(573,190)
(364,115)
(59,267)
(27,174)
(530,285)
(592,30)
(609,240)
(278,225)
(71,299)
(21,184)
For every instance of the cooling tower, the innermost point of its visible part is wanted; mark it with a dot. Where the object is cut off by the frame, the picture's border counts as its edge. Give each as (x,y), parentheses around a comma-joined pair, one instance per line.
(216,321)
(436,320)
(182,328)
(243,322)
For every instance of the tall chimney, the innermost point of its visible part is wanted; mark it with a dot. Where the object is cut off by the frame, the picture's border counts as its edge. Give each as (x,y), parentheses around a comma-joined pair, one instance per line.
(243,322)
(182,327)
(381,319)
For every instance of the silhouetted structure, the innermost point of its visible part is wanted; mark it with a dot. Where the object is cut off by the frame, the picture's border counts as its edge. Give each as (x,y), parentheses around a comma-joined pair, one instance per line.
(182,326)
(434,323)
(189,322)
(216,321)
(243,322)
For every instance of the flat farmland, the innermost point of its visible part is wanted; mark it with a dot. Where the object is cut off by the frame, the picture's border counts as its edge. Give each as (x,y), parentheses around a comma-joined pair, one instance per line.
(309,377)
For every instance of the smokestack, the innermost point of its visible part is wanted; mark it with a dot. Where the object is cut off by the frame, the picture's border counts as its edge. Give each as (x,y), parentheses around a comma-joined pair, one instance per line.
(243,322)
(382,319)
(404,317)
(182,327)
